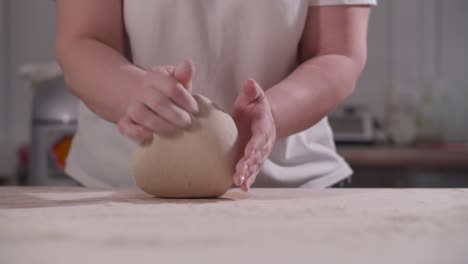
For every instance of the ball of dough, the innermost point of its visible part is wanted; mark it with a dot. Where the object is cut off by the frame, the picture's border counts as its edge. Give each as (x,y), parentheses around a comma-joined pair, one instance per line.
(198,162)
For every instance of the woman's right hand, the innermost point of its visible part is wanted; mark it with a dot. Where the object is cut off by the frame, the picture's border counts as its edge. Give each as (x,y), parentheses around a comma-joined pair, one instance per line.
(162,103)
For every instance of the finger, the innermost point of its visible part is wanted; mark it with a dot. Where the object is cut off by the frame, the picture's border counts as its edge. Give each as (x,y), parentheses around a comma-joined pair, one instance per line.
(252,91)
(250,179)
(244,188)
(167,110)
(141,115)
(170,69)
(183,73)
(256,144)
(252,152)
(248,183)
(247,166)
(173,90)
(251,174)
(253,177)
(129,129)
(252,163)
(239,175)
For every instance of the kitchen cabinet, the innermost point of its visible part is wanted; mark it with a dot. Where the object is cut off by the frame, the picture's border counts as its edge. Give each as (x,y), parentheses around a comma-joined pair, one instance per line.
(384,166)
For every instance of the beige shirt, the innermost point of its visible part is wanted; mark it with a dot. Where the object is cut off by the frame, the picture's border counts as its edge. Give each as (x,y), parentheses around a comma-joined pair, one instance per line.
(229,42)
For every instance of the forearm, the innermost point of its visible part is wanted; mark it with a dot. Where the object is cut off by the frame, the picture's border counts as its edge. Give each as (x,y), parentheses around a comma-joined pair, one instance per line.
(310,92)
(99,75)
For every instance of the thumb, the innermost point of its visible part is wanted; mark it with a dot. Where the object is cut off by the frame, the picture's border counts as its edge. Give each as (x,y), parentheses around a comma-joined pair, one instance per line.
(184,73)
(252,91)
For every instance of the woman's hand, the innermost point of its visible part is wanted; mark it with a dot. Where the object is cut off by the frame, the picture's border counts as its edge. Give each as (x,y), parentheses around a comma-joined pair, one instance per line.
(161,104)
(257,132)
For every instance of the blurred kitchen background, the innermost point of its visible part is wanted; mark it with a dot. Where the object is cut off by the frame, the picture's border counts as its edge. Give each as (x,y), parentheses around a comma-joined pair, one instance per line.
(405,126)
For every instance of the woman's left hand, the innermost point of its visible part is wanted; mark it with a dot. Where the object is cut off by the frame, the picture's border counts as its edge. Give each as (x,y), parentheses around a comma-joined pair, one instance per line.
(257,132)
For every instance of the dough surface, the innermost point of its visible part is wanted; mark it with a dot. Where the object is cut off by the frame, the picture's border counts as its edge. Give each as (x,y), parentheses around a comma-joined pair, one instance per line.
(198,162)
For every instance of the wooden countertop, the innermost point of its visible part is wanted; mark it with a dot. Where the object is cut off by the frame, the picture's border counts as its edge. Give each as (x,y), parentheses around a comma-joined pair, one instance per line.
(80,225)
(410,156)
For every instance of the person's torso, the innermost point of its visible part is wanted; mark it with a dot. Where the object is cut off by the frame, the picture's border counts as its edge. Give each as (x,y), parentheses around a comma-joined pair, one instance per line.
(229,42)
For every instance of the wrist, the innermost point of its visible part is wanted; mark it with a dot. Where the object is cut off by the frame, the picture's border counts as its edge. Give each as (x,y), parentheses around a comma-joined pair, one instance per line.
(274,116)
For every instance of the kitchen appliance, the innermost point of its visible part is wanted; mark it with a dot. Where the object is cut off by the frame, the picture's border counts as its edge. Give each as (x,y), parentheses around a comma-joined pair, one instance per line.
(353,125)
(54,120)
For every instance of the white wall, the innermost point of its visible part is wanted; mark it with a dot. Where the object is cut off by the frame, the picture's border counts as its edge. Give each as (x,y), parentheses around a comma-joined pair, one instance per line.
(3,74)
(418,61)
(374,84)
(31,36)
(453,57)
